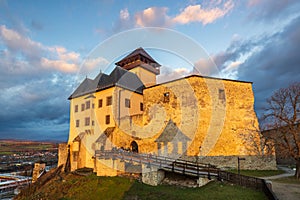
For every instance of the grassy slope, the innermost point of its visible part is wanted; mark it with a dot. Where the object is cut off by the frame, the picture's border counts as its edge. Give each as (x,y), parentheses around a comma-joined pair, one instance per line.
(92,187)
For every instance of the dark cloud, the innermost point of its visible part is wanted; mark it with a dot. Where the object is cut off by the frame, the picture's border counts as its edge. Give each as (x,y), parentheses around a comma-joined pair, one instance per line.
(33,97)
(276,65)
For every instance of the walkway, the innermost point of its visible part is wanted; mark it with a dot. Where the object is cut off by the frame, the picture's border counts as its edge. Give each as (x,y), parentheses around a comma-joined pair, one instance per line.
(285,190)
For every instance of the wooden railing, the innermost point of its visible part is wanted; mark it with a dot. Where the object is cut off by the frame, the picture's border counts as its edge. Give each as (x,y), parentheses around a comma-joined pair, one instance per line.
(189,168)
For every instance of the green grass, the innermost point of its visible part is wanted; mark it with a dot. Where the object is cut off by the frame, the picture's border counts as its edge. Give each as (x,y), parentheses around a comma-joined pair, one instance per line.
(114,188)
(258,173)
(213,190)
(289,180)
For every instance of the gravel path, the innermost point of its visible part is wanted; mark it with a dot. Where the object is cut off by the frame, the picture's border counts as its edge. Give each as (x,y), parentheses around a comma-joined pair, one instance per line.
(285,191)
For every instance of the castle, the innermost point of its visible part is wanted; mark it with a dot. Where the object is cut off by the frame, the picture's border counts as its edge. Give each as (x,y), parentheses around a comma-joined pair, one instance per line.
(199,118)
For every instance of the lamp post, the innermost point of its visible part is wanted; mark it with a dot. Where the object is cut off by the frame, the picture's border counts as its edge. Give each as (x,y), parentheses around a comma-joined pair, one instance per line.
(239,171)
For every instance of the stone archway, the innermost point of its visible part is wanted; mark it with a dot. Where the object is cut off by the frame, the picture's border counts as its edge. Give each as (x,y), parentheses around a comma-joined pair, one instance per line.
(134,147)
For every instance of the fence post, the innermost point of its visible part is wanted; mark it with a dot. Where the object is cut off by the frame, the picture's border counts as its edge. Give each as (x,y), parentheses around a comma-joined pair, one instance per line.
(173,165)
(209,172)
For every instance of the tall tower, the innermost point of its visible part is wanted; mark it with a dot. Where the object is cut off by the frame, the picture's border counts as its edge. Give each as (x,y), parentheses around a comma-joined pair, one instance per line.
(142,64)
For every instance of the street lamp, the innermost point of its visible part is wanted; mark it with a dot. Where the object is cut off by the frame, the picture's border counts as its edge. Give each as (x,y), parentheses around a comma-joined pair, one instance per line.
(239,171)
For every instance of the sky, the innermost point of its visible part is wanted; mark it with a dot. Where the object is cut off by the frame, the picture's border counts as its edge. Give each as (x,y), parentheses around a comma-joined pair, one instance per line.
(47,47)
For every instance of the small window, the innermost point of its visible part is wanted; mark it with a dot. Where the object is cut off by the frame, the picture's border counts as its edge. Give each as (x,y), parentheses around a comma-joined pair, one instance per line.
(93,106)
(107,119)
(166,97)
(141,106)
(127,103)
(82,107)
(76,108)
(87,121)
(221,94)
(100,102)
(75,156)
(109,100)
(87,105)
(93,123)
(77,123)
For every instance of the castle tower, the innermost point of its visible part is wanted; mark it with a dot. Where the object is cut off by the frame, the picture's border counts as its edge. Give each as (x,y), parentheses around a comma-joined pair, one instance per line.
(142,64)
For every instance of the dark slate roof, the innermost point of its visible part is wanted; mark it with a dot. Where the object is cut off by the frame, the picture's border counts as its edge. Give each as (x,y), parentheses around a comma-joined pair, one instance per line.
(138,51)
(118,77)
(172,133)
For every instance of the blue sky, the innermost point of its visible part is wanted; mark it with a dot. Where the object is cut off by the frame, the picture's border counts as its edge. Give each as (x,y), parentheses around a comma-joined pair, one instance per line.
(44,43)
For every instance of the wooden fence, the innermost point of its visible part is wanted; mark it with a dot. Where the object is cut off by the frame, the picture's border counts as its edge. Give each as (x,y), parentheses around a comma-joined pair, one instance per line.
(190,169)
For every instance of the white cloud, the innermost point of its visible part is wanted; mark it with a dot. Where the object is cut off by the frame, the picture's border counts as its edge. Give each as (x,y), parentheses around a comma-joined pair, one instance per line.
(22,54)
(59,65)
(153,16)
(124,14)
(206,13)
(19,43)
(169,74)
(92,63)
(195,13)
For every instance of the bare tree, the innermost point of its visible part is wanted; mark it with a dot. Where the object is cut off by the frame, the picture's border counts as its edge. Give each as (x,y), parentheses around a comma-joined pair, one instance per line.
(283,115)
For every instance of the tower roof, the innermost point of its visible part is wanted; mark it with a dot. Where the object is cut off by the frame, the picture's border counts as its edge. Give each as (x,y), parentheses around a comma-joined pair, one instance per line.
(139,57)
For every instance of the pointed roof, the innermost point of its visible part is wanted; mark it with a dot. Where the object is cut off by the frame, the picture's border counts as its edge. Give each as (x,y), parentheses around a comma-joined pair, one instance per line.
(118,77)
(172,133)
(138,51)
(141,58)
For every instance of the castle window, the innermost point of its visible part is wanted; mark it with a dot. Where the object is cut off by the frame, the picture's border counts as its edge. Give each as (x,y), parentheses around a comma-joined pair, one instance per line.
(109,100)
(76,108)
(87,121)
(141,106)
(221,94)
(82,107)
(75,156)
(107,119)
(77,123)
(100,102)
(166,97)
(127,103)
(93,123)
(87,105)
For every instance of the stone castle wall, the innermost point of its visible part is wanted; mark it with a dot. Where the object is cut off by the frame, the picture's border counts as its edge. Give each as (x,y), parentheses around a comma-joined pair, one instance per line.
(215,118)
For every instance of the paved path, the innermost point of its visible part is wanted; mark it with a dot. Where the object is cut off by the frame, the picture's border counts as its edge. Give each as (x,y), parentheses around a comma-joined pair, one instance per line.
(284,190)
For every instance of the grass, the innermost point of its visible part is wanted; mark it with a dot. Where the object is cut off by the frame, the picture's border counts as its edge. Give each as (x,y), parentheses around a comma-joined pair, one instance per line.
(258,173)
(213,190)
(289,180)
(92,187)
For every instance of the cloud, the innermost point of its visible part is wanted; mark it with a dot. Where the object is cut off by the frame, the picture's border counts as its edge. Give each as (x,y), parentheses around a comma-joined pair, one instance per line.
(17,42)
(124,14)
(36,81)
(195,13)
(206,13)
(276,65)
(168,74)
(24,53)
(153,16)
(265,10)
